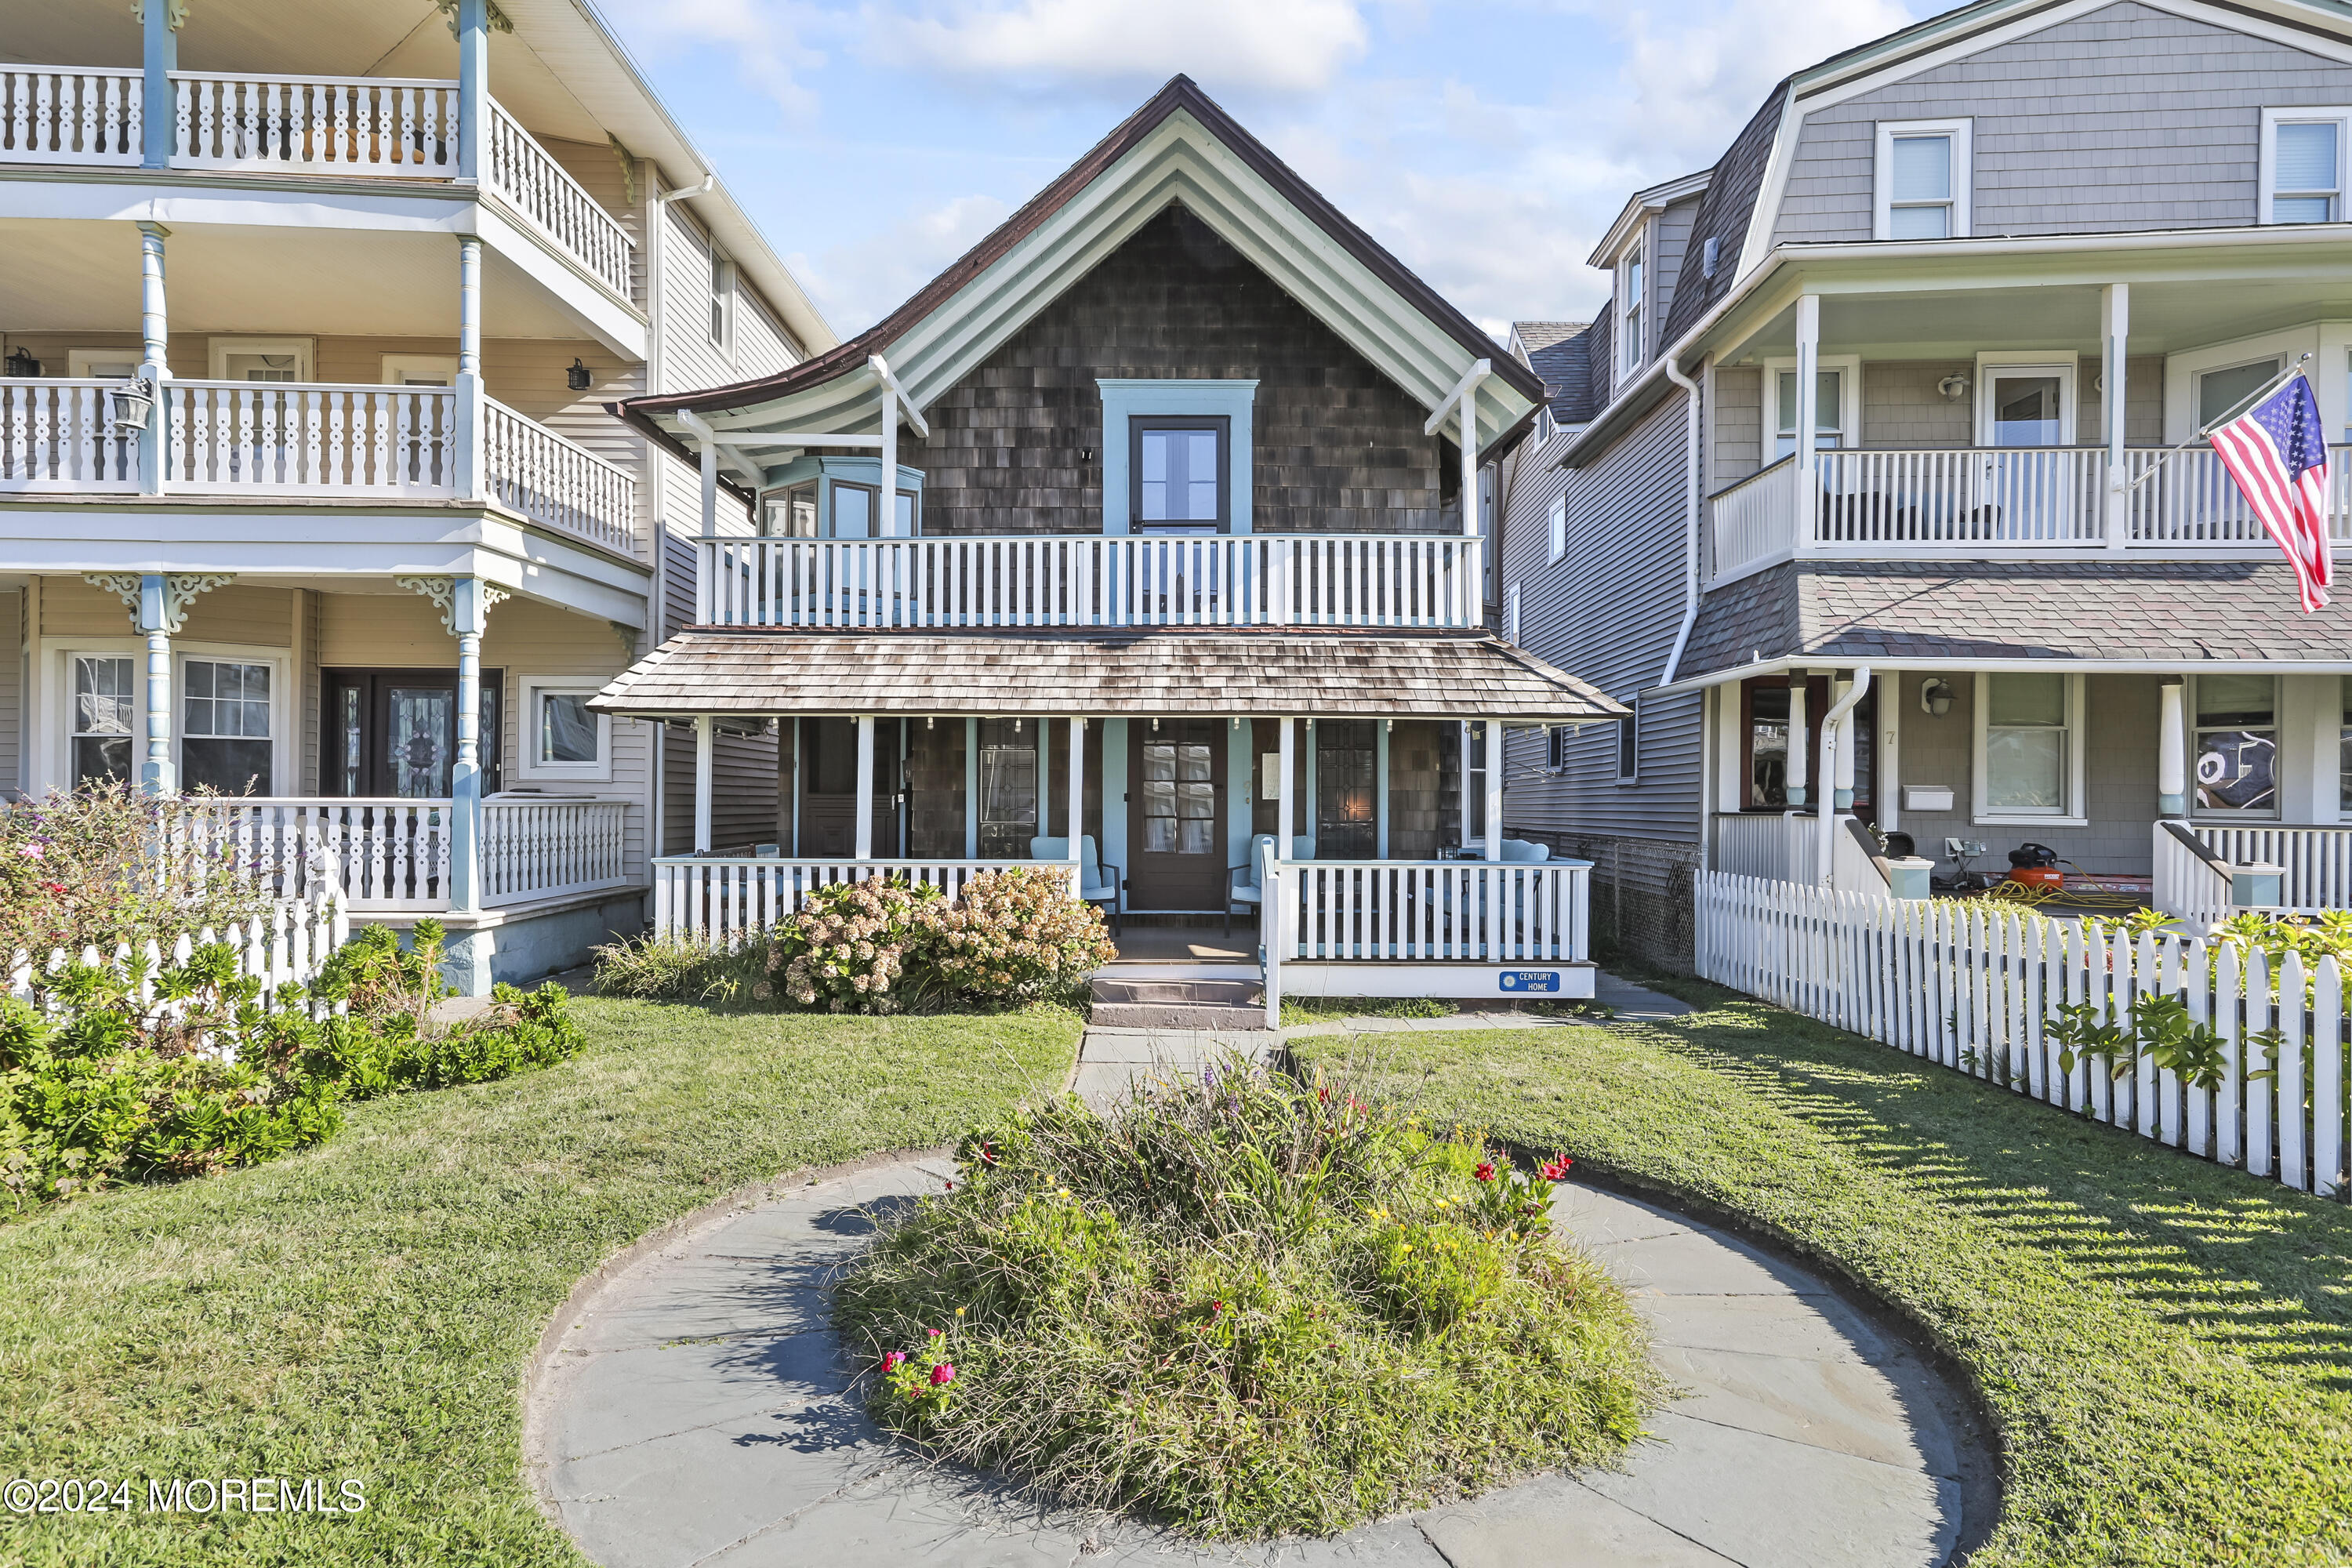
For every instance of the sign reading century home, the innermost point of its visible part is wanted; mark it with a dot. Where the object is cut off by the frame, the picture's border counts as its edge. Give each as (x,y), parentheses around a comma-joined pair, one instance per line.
(1529,980)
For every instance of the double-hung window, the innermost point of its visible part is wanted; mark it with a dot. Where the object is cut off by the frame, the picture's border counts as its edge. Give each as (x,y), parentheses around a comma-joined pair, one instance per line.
(1179,469)
(2235,754)
(225,726)
(1629,311)
(104,702)
(2302,164)
(723,299)
(2029,746)
(1922,181)
(1835,387)
(1628,743)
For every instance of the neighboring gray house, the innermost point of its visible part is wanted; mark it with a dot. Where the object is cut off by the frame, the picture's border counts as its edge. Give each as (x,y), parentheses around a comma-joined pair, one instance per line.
(1995,263)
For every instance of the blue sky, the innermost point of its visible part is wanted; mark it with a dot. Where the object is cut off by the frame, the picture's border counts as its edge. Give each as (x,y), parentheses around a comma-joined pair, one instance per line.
(1489,145)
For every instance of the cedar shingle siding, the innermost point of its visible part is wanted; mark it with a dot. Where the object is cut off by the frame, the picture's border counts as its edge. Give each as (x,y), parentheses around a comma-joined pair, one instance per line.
(1016,447)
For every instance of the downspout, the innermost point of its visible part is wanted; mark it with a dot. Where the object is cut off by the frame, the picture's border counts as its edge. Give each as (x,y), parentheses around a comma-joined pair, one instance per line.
(1690,525)
(1832,724)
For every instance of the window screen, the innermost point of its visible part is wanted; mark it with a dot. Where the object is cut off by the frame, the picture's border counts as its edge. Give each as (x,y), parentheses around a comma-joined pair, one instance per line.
(2304,179)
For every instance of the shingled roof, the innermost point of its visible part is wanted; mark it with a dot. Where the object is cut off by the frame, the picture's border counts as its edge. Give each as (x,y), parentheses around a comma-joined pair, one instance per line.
(1559,351)
(1850,611)
(1103,674)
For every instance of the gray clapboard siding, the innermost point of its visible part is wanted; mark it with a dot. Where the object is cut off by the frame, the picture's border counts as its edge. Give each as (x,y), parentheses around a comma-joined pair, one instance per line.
(1674,238)
(2128,118)
(12,693)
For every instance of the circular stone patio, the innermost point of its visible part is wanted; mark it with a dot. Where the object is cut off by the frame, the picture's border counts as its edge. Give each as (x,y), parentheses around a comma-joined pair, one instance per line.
(690,1408)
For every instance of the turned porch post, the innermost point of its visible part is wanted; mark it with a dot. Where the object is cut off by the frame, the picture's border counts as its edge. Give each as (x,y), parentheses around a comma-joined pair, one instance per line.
(865,846)
(154,339)
(156,774)
(471,420)
(468,612)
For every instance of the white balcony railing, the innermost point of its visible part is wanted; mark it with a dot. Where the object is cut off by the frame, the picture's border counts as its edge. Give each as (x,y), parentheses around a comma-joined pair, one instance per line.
(1430,910)
(1255,580)
(551,848)
(2190,498)
(60,114)
(1756,518)
(394,854)
(55,436)
(314,124)
(725,898)
(558,482)
(521,169)
(294,438)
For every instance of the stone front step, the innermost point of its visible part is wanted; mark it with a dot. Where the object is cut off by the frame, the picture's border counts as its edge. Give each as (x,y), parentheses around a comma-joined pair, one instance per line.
(1178,1004)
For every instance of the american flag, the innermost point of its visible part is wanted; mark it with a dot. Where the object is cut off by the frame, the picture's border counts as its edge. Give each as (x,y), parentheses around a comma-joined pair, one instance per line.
(2277,451)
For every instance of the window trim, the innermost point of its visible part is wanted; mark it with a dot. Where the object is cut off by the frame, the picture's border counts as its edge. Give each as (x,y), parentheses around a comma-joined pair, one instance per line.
(304,350)
(1141,424)
(393,367)
(78,365)
(528,765)
(2064,364)
(1126,399)
(280,707)
(2191,728)
(100,648)
(57,656)
(2266,196)
(1556,523)
(1629,743)
(2074,814)
(718,296)
(1962,131)
(1633,346)
(1848,367)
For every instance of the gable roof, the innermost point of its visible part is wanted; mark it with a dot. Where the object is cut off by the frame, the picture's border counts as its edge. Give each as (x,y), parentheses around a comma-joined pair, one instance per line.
(1565,361)
(1531,337)
(1179,147)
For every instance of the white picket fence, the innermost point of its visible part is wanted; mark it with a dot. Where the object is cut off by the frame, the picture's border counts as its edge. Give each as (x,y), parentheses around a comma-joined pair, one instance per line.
(286,945)
(1977,988)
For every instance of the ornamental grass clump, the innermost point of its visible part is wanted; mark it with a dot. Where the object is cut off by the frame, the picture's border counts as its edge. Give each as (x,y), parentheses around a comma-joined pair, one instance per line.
(1244,1308)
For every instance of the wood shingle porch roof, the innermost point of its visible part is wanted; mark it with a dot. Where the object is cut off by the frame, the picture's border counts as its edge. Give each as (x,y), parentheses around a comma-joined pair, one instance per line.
(1245,674)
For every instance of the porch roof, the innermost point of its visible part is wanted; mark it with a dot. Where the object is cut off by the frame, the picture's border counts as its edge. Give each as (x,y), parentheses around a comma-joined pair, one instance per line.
(1104,674)
(1847,612)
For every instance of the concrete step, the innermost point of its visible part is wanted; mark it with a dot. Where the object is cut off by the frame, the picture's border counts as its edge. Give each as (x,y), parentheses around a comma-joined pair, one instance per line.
(1229,992)
(1179,1015)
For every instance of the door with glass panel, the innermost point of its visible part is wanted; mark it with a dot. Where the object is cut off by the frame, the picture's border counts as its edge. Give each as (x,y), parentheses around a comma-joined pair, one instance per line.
(2034,484)
(391,735)
(1346,818)
(1176,814)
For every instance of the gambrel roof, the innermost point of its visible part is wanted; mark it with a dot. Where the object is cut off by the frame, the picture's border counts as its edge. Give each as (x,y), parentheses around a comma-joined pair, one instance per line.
(1180,147)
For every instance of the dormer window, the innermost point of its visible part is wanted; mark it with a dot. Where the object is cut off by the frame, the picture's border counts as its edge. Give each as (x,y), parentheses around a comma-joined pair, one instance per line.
(1629,311)
(1923,180)
(2302,164)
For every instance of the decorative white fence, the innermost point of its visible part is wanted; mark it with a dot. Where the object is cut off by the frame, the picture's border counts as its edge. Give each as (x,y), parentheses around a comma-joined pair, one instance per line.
(299,439)
(285,946)
(314,124)
(1425,912)
(384,853)
(1252,580)
(552,847)
(1755,519)
(1979,989)
(63,114)
(558,482)
(726,899)
(518,168)
(55,436)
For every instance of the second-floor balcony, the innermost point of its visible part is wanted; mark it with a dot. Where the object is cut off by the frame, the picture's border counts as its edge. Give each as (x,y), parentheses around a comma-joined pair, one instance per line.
(1410,582)
(272,442)
(376,128)
(1967,502)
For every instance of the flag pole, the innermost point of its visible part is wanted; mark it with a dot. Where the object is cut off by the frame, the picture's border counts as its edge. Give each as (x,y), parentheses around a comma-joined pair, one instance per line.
(2272,385)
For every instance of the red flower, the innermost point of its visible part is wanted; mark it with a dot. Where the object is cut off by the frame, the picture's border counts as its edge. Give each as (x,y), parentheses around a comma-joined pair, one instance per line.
(892,1361)
(1556,1168)
(943,1374)
(950,1186)
(1485,1171)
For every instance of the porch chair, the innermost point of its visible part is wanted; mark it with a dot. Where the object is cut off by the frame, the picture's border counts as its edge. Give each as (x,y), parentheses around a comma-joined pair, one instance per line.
(1245,884)
(1094,887)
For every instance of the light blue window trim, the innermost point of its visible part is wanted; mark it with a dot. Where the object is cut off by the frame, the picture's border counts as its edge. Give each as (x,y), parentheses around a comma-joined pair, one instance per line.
(1125,400)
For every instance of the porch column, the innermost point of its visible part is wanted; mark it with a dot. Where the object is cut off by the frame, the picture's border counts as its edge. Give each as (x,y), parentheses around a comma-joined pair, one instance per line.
(703,749)
(156,774)
(865,787)
(2172,749)
(1808,359)
(154,340)
(2115,326)
(1799,738)
(1842,779)
(971,789)
(1494,843)
(1286,814)
(467,613)
(885,525)
(473,26)
(1078,823)
(469,475)
(160,55)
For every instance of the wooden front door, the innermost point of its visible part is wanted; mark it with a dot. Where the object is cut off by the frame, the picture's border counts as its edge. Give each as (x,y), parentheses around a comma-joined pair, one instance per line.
(1176,814)
(829,780)
(394,733)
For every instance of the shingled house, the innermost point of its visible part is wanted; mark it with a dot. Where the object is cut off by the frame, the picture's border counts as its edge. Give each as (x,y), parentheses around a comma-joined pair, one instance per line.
(1871,440)
(1134,541)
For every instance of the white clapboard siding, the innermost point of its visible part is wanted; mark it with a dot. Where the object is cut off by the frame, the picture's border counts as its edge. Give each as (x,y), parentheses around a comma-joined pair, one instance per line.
(1975,987)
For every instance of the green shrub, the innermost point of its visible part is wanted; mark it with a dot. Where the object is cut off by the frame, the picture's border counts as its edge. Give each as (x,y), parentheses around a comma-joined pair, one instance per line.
(1245,1308)
(107,865)
(684,968)
(1012,936)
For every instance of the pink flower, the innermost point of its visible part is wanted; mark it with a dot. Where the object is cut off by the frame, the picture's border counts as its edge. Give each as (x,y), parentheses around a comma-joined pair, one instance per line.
(943,1374)
(1485,1171)
(935,1333)
(30,851)
(893,1361)
(1556,1168)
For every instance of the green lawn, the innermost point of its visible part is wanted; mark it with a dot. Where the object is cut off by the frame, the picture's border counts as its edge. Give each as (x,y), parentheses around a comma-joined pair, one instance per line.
(365,1310)
(2165,1345)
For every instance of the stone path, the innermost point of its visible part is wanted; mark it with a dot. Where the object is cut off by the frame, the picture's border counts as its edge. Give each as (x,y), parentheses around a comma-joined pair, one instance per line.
(691,1411)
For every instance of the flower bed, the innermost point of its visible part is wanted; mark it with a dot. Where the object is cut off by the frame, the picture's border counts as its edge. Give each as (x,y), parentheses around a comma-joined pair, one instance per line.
(1246,1309)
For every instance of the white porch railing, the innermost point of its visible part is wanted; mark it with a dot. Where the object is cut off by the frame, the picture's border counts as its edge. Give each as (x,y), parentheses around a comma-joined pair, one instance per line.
(518,168)
(314,124)
(552,847)
(726,898)
(1432,911)
(2190,498)
(66,114)
(1254,580)
(386,853)
(557,481)
(53,436)
(1977,988)
(2317,861)
(1755,519)
(297,438)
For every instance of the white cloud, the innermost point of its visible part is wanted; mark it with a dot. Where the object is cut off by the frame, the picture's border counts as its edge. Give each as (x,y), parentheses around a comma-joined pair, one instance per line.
(767,39)
(857,282)
(1288,46)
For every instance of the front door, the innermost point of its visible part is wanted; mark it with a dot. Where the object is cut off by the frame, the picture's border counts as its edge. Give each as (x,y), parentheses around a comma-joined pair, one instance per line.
(1176,814)
(2030,484)
(394,733)
(829,780)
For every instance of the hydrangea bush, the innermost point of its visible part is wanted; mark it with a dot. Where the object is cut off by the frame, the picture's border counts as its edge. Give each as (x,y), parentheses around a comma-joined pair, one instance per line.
(1014,936)
(845,950)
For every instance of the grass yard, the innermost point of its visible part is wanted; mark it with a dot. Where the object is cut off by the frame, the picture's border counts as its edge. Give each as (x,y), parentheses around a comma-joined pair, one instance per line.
(2165,1345)
(365,1310)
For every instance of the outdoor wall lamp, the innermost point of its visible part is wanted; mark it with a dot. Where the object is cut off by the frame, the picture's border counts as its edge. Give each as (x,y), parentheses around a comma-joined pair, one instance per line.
(22,363)
(576,378)
(128,406)
(1935,697)
(1953,387)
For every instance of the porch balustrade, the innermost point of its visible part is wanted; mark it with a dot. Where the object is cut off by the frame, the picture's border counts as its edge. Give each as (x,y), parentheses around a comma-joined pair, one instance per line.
(55,436)
(518,168)
(1256,580)
(558,482)
(724,899)
(1430,910)
(313,124)
(2316,863)
(296,439)
(64,114)
(394,853)
(552,847)
(1973,501)
(1778,846)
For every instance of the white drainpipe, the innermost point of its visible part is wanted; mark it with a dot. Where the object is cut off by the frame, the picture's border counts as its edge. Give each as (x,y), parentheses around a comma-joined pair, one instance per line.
(1832,726)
